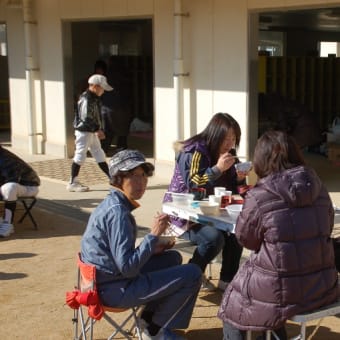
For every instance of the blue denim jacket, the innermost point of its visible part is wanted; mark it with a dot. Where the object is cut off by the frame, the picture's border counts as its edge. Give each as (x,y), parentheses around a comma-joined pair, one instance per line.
(109,239)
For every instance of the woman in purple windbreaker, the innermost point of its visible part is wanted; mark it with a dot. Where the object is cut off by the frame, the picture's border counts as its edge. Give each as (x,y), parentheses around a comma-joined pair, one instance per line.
(207,160)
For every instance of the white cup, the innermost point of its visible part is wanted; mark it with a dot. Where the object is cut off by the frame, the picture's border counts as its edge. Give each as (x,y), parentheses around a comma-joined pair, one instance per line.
(218,191)
(215,199)
(227,193)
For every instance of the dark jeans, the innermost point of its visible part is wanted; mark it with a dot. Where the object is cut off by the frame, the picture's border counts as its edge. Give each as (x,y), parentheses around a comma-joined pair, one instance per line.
(231,255)
(210,241)
(167,289)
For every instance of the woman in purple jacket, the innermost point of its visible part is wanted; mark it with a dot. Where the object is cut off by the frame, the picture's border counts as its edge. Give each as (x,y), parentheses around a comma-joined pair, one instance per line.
(204,161)
(286,221)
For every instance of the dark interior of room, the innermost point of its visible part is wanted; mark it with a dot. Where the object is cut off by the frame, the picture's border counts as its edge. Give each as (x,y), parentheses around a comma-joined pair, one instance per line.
(299,88)
(128,44)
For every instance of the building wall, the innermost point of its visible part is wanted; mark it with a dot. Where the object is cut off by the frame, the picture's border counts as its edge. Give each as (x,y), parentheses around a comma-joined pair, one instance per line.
(216,55)
(16,69)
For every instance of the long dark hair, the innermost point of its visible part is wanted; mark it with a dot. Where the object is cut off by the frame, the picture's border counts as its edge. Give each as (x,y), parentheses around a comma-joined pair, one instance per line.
(215,132)
(276,151)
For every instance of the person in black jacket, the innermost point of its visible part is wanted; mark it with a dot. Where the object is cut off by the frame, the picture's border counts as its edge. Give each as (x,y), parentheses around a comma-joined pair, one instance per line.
(116,111)
(17,178)
(88,130)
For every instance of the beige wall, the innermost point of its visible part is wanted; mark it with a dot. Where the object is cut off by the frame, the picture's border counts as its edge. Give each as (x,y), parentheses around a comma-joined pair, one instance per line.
(215,53)
(216,60)
(16,68)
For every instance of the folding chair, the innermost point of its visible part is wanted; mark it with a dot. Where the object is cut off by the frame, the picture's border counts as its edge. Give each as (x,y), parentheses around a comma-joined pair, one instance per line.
(85,296)
(302,319)
(319,314)
(28,203)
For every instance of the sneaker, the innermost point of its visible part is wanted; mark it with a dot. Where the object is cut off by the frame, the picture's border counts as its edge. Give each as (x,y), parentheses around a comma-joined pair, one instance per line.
(77,187)
(163,334)
(142,324)
(147,336)
(6,229)
(207,286)
(222,285)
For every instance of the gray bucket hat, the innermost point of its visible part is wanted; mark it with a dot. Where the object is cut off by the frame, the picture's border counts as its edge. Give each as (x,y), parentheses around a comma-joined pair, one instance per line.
(127,160)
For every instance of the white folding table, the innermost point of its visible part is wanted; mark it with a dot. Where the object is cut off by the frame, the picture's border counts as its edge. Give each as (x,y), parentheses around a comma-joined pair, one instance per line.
(192,212)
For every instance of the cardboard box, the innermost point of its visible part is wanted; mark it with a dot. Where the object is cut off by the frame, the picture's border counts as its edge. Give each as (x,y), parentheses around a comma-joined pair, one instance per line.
(334,152)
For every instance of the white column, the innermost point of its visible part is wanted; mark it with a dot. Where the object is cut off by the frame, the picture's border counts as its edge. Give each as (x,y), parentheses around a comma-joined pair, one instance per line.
(178,69)
(31,66)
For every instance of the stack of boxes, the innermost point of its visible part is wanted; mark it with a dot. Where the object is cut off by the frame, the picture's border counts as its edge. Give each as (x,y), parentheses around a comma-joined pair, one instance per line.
(334,152)
(333,144)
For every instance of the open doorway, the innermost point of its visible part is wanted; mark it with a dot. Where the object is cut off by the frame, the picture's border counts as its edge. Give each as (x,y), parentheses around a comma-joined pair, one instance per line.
(130,44)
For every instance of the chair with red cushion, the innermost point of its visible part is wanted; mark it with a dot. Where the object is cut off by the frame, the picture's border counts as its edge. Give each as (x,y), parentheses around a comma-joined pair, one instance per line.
(85,296)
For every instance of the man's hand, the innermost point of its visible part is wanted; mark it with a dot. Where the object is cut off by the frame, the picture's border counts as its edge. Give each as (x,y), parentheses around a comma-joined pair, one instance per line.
(160,224)
(163,246)
(100,134)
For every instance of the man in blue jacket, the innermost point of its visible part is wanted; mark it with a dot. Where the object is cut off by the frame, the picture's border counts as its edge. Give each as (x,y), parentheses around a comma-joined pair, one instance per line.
(149,274)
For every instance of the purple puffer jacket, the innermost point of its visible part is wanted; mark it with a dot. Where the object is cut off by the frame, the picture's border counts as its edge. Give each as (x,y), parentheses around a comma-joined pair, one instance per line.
(287,220)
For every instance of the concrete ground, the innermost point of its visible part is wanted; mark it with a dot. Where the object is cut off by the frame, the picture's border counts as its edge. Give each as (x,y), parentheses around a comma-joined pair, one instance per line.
(38,267)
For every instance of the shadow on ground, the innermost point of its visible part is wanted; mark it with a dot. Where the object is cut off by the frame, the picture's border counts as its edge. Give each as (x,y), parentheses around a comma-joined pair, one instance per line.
(203,334)
(50,224)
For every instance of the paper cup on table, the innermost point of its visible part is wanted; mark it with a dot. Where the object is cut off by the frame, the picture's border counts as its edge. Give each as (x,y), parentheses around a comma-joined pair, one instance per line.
(218,191)
(215,199)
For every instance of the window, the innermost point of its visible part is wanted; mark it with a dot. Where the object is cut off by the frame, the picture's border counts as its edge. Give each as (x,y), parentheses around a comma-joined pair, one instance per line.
(272,43)
(328,48)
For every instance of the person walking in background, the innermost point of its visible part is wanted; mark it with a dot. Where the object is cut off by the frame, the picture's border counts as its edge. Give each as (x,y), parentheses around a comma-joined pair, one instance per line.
(100,67)
(88,130)
(150,274)
(117,106)
(286,221)
(108,99)
(207,160)
(17,179)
